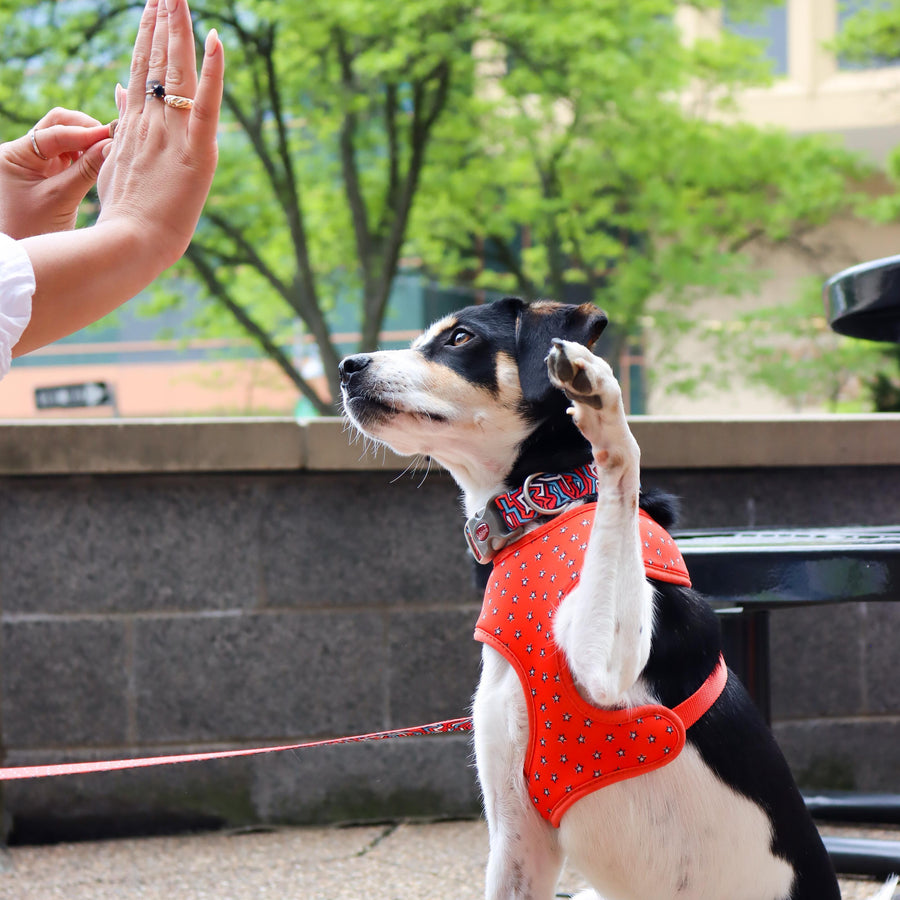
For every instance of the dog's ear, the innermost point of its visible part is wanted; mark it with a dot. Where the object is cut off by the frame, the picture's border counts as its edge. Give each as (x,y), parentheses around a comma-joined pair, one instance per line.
(536,327)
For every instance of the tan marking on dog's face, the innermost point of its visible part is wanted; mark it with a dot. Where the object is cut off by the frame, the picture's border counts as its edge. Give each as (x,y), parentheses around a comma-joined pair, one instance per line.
(539,308)
(544,307)
(418,406)
(445,324)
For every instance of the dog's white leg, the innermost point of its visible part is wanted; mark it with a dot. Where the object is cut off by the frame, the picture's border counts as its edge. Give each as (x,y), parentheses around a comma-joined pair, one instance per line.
(525,858)
(604,625)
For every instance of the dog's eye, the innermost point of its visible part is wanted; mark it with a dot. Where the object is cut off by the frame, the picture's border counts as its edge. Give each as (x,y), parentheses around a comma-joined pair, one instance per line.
(459,337)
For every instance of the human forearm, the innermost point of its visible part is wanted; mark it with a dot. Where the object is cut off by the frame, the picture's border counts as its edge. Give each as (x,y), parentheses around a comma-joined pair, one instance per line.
(82,275)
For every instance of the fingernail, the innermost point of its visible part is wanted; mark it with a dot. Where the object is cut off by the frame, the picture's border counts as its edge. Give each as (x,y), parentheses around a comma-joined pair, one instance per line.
(173,5)
(212,42)
(119,92)
(107,149)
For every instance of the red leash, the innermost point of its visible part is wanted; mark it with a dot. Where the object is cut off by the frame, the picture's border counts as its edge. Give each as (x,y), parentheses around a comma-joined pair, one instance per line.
(20,772)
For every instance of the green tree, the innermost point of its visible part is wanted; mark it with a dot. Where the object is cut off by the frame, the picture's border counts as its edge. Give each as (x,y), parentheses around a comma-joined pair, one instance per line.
(884,386)
(612,167)
(790,350)
(580,146)
(871,36)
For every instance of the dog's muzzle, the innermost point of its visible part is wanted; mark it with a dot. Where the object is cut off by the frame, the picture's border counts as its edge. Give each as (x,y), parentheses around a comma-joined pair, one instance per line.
(352,365)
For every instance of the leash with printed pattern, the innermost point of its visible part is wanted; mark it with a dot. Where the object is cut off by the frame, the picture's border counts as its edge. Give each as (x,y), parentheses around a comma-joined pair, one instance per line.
(15,773)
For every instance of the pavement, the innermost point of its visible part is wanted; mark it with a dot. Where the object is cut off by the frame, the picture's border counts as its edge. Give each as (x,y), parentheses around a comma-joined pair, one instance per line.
(400,861)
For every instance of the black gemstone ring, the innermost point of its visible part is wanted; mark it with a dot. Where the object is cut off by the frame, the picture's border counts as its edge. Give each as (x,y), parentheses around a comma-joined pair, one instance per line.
(156,89)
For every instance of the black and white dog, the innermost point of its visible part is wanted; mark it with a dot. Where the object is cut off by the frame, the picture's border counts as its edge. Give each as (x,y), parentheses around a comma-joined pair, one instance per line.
(723,820)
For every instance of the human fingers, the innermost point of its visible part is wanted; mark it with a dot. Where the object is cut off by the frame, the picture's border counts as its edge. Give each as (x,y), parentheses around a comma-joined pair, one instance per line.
(159,49)
(72,184)
(59,115)
(140,59)
(181,73)
(58,140)
(205,113)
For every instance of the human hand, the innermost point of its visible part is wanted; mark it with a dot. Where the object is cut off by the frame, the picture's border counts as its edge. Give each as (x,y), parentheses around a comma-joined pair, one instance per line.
(45,175)
(159,171)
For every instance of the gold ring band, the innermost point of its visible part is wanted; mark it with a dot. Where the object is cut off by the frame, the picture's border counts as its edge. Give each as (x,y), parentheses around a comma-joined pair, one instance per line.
(34,145)
(177,102)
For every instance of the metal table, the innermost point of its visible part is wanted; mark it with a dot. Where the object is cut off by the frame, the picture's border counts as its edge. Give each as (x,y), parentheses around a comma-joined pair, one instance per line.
(747,575)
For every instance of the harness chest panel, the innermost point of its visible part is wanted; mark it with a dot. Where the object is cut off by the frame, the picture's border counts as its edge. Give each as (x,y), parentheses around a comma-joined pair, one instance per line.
(574,747)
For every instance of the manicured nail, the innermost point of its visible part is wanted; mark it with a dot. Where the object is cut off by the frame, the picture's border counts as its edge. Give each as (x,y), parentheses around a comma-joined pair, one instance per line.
(172,5)
(107,150)
(212,42)
(119,92)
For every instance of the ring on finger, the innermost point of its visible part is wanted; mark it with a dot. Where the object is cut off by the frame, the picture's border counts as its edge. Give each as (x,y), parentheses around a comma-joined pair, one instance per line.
(177,102)
(34,145)
(156,89)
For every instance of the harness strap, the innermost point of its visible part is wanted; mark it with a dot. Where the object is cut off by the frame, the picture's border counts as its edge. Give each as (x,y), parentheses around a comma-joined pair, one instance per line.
(703,698)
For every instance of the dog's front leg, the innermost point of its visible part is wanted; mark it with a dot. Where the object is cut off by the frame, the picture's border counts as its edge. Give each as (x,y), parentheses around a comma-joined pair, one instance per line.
(604,624)
(525,858)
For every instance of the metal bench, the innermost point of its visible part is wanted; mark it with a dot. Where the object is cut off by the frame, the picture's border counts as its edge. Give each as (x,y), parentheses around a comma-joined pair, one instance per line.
(749,574)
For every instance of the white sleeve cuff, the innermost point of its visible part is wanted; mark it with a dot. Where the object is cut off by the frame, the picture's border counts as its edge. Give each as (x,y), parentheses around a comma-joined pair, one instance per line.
(16,290)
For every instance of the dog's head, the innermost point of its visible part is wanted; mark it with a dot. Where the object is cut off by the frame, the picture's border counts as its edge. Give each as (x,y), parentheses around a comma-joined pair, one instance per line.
(473,392)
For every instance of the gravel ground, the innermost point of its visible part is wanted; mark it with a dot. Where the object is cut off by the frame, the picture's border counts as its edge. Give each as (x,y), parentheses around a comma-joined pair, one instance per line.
(441,861)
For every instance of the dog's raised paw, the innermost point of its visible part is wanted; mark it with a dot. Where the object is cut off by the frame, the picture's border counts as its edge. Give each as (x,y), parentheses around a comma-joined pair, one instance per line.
(582,376)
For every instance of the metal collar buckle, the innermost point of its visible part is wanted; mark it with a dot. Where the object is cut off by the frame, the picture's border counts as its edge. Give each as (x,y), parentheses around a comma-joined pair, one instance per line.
(487,532)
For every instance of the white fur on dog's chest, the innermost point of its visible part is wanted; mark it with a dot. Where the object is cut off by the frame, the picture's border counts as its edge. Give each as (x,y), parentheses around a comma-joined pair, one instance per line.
(678,833)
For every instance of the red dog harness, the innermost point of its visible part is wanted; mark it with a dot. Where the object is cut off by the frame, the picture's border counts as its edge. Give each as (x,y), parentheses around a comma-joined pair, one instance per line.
(574,747)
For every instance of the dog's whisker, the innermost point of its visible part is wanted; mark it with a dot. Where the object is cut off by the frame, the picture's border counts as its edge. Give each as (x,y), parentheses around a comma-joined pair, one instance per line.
(427,470)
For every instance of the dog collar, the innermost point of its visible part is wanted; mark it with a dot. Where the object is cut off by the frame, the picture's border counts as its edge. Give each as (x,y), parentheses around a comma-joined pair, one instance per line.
(488,531)
(505,515)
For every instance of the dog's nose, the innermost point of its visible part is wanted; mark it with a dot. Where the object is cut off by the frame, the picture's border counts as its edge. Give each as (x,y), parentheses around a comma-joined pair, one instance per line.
(352,364)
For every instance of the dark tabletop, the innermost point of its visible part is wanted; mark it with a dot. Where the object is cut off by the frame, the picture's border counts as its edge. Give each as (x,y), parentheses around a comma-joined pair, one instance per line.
(864,301)
(770,569)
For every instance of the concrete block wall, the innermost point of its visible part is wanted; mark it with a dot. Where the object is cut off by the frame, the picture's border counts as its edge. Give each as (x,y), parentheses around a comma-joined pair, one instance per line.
(170,587)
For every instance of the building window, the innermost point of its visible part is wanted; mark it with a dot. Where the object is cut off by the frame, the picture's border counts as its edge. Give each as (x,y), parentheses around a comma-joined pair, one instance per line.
(770,28)
(847,10)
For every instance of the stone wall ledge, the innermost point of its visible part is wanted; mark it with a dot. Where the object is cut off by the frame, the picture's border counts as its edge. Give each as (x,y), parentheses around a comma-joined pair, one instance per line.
(71,447)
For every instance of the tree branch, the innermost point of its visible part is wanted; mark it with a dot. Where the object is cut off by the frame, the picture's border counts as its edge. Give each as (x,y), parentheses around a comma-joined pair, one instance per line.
(424,118)
(252,257)
(392,191)
(349,168)
(508,258)
(222,295)
(294,209)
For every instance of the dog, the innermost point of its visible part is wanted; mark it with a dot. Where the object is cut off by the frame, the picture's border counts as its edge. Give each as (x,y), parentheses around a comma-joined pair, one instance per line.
(510,399)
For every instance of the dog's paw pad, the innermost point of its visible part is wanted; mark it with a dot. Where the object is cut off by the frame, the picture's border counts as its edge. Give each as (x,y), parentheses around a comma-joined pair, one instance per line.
(583,377)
